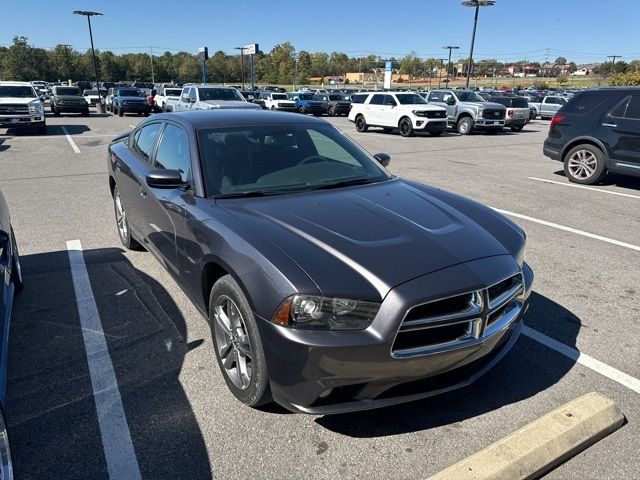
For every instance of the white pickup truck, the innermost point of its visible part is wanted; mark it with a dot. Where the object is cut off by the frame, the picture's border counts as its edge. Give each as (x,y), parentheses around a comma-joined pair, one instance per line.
(166,97)
(549,106)
(21,107)
(210,97)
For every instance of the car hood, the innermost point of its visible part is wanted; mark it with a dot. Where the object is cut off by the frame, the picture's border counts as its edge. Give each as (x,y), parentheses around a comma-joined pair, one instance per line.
(18,100)
(484,105)
(364,240)
(422,107)
(229,104)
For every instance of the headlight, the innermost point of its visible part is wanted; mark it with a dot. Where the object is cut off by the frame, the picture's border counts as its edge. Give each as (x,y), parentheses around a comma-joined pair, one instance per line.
(419,113)
(480,112)
(36,108)
(310,312)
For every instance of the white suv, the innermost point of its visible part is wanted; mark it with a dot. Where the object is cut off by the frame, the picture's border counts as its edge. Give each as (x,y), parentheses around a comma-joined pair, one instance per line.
(279,101)
(406,111)
(20,107)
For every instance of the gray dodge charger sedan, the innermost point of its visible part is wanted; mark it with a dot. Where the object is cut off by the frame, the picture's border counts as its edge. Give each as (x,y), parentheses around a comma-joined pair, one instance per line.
(330,285)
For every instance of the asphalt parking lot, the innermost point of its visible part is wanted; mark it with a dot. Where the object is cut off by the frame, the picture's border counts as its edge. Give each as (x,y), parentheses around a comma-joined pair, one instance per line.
(583,244)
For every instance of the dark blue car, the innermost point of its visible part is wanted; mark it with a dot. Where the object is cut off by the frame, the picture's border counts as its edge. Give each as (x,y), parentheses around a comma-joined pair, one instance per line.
(129,100)
(307,103)
(10,285)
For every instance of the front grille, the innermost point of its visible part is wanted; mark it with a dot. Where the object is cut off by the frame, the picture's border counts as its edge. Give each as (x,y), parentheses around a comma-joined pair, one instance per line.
(458,321)
(493,114)
(286,105)
(9,109)
(436,114)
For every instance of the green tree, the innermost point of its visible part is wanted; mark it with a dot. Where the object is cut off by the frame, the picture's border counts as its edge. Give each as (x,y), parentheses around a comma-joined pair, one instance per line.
(561,61)
(304,66)
(319,64)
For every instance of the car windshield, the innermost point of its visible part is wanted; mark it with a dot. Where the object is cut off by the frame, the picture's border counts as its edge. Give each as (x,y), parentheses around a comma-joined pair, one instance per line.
(410,99)
(220,94)
(469,97)
(18,91)
(279,159)
(67,91)
(175,92)
(127,92)
(279,96)
(306,96)
(334,97)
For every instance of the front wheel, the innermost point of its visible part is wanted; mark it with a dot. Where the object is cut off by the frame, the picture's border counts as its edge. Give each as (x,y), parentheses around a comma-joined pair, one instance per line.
(465,125)
(406,127)
(123,223)
(237,343)
(584,164)
(361,124)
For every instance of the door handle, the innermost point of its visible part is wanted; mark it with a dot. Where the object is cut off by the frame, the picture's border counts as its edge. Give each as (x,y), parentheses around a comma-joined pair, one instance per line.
(612,125)
(143,192)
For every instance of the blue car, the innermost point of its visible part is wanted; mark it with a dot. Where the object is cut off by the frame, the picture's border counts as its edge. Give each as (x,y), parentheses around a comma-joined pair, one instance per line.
(307,103)
(10,285)
(129,100)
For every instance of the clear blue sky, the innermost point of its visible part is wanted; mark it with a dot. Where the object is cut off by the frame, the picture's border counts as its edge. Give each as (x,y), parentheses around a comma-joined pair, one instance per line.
(581,30)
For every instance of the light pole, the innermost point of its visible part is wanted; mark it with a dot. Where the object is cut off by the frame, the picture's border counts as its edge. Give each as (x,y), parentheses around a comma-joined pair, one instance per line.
(440,73)
(476,4)
(66,47)
(295,72)
(241,64)
(89,14)
(449,47)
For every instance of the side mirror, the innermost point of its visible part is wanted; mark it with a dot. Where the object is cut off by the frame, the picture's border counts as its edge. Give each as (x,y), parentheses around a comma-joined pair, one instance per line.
(451,102)
(185,98)
(383,159)
(165,178)
(4,239)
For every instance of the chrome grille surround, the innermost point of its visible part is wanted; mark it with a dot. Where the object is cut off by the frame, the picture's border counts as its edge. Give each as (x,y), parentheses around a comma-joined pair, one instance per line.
(487,311)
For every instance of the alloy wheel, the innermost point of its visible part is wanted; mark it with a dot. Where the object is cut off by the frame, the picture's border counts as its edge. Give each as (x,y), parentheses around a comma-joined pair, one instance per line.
(121,217)
(232,342)
(404,127)
(582,164)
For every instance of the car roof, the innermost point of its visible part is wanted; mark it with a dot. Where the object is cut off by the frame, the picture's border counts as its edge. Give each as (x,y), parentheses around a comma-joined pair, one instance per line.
(231,117)
(17,84)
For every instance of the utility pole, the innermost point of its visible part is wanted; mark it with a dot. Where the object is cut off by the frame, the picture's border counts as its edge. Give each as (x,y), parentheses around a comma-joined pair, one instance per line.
(66,59)
(440,73)
(153,78)
(449,47)
(241,63)
(546,61)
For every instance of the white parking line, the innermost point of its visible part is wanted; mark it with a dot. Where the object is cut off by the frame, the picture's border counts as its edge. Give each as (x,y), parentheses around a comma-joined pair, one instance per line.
(132,126)
(569,229)
(565,184)
(73,144)
(583,359)
(116,439)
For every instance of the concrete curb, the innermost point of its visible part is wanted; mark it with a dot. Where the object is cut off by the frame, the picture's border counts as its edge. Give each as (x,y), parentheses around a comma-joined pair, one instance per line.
(542,444)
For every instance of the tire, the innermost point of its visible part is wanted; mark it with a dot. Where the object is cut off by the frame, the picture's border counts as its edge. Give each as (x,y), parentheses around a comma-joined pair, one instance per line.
(55,111)
(301,110)
(517,128)
(465,125)
(120,112)
(16,268)
(124,231)
(406,127)
(584,164)
(436,133)
(361,124)
(236,341)
(332,111)
(164,107)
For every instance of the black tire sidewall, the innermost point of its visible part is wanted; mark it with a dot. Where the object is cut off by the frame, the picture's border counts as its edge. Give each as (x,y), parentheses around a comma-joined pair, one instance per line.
(361,124)
(468,121)
(600,164)
(409,131)
(16,278)
(258,392)
(129,242)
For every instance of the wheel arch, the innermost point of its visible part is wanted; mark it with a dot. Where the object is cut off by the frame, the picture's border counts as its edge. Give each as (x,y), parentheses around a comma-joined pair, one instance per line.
(463,115)
(585,140)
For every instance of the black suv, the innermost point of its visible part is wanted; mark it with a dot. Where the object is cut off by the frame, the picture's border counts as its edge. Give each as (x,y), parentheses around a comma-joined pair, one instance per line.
(597,131)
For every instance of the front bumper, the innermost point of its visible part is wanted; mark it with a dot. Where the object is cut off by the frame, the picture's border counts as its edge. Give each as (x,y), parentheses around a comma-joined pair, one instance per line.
(132,108)
(337,372)
(429,124)
(292,108)
(17,121)
(484,124)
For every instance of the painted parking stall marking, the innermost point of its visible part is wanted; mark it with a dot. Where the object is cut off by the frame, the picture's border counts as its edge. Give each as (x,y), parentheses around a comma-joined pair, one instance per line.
(116,438)
(569,229)
(565,184)
(70,140)
(614,374)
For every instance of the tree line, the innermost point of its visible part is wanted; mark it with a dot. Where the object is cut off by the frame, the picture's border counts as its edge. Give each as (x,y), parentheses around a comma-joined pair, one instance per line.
(282,65)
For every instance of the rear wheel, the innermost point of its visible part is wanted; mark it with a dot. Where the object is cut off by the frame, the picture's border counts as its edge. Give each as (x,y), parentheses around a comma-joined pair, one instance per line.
(237,343)
(465,125)
(361,124)
(406,127)
(123,224)
(584,164)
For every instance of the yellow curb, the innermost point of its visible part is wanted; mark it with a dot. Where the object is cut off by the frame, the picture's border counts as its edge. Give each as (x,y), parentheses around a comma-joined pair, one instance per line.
(542,444)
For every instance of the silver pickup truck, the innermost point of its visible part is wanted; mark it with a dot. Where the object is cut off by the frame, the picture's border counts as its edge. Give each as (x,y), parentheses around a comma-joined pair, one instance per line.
(208,97)
(549,106)
(468,111)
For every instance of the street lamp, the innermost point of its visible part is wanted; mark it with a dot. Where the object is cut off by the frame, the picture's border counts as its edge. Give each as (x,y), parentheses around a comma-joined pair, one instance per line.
(476,4)
(241,64)
(449,63)
(90,14)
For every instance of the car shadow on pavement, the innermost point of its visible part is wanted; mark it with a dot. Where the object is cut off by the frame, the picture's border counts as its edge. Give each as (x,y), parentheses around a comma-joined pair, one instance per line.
(72,129)
(526,370)
(51,411)
(612,179)
(3,147)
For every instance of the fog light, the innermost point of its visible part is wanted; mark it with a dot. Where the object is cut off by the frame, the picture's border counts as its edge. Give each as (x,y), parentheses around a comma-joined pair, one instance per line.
(326,393)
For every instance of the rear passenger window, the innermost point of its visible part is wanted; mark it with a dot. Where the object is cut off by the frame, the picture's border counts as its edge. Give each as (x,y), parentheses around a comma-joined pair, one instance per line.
(145,139)
(633,108)
(618,111)
(377,99)
(434,96)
